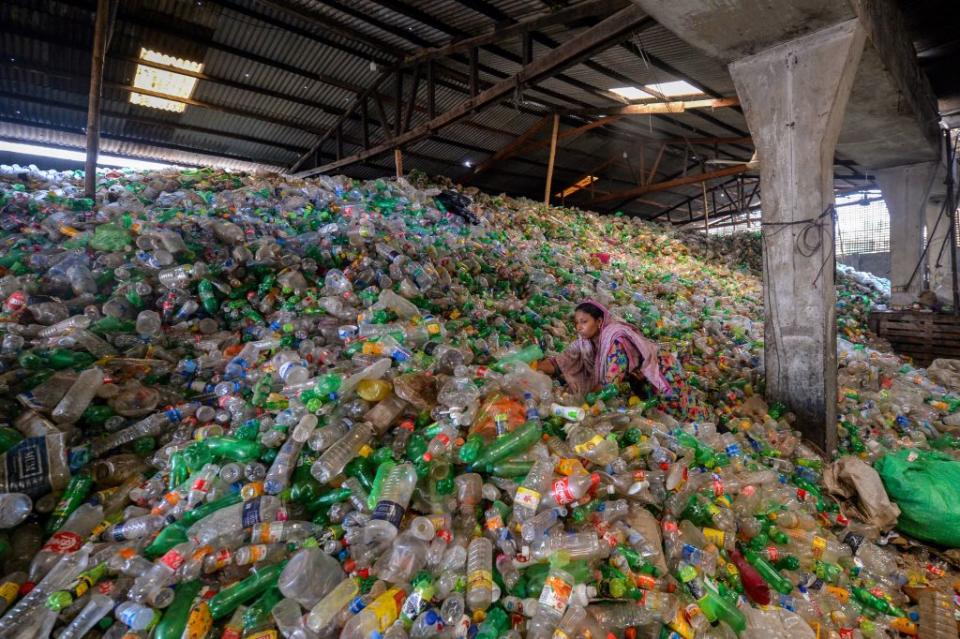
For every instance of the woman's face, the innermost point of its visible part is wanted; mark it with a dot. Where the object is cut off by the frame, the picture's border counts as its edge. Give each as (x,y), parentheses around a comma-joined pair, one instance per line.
(586,326)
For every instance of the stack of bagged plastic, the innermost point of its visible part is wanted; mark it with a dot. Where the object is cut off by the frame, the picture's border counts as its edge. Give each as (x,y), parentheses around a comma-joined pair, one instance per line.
(239,406)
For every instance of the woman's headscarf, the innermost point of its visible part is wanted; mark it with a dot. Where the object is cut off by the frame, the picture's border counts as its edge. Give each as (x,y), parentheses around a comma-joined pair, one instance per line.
(584,367)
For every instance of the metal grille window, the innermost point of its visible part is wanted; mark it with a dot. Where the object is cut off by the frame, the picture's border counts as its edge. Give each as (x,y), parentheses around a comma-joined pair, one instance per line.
(863,224)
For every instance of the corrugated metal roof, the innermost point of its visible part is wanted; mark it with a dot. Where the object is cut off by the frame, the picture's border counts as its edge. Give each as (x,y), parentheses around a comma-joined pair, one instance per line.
(279,73)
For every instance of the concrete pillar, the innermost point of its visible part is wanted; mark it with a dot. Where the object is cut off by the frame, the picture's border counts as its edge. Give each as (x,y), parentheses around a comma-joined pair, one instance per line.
(794,96)
(906,190)
(938,263)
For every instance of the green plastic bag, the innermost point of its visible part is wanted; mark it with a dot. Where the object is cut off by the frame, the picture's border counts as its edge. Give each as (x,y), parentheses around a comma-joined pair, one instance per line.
(926,487)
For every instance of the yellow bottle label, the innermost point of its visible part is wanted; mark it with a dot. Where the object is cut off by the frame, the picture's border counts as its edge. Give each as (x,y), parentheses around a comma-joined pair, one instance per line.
(9,590)
(587,446)
(480,579)
(714,536)
(839,594)
(569,467)
(904,625)
(386,607)
(263,634)
(818,546)
(527,497)
(199,622)
(680,625)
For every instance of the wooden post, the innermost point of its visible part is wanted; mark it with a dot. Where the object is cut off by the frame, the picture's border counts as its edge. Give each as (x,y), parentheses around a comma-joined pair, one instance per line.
(398,161)
(339,141)
(706,211)
(656,164)
(100,36)
(553,157)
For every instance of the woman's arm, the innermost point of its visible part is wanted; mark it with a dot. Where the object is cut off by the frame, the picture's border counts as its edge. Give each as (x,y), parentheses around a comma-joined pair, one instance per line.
(547,367)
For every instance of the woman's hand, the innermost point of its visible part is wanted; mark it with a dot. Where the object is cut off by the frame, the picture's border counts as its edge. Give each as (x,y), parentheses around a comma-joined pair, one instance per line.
(546,366)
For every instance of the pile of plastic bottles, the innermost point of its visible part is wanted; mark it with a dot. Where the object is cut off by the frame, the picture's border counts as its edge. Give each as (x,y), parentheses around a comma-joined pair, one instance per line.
(241,406)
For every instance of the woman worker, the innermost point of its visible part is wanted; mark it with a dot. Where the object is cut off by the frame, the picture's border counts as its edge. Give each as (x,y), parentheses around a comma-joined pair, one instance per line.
(607,351)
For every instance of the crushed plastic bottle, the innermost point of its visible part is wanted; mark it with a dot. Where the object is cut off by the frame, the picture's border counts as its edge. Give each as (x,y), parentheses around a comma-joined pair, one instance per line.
(244,406)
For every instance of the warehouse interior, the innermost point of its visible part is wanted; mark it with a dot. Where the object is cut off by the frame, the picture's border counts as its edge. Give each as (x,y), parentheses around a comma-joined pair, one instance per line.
(811,144)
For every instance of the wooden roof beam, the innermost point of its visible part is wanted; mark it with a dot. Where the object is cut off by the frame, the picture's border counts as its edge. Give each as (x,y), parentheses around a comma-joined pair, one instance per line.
(670,184)
(597,38)
(649,108)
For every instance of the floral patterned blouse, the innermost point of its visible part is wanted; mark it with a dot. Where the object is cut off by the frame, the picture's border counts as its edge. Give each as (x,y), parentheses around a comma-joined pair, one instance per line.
(618,361)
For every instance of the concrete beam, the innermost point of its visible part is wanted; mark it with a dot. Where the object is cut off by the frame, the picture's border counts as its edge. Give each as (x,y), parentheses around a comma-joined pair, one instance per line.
(891,117)
(794,96)
(885,25)
(906,190)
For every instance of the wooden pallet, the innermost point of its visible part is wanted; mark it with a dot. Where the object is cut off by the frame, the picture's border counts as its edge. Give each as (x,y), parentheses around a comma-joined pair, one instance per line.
(921,335)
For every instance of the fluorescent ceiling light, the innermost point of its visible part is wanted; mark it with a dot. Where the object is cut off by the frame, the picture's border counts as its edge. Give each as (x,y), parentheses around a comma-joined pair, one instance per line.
(79,156)
(630,93)
(674,89)
(176,85)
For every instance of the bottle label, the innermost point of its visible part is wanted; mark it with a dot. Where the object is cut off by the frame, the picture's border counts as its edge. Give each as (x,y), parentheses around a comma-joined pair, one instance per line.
(257,552)
(27,468)
(263,634)
(63,542)
(389,511)
(585,447)
(219,560)
(773,553)
(173,559)
(818,545)
(199,622)
(555,594)
(386,607)
(480,579)
(495,521)
(562,493)
(267,533)
(251,513)
(9,590)
(527,498)
(714,536)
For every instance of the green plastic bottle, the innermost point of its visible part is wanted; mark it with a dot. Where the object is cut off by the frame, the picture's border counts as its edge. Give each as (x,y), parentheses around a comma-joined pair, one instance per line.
(259,581)
(768,572)
(76,491)
(509,445)
(174,618)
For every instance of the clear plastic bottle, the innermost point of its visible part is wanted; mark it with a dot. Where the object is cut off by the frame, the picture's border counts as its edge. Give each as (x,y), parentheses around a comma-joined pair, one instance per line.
(278,477)
(234,518)
(537,525)
(335,458)
(479,574)
(136,616)
(97,608)
(376,617)
(394,498)
(553,602)
(67,540)
(79,396)
(526,501)
(14,509)
(325,610)
(309,576)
